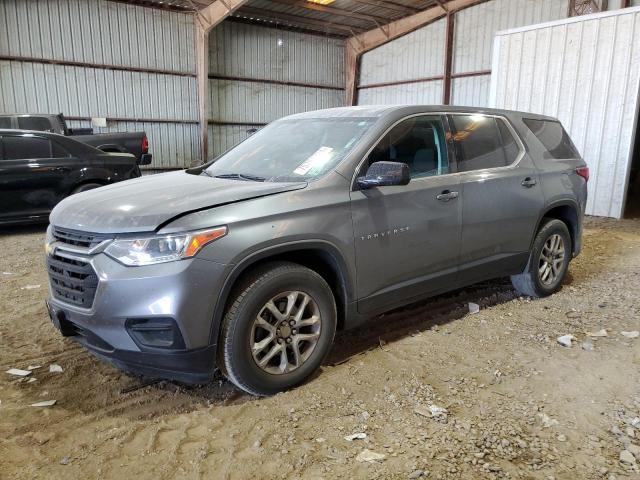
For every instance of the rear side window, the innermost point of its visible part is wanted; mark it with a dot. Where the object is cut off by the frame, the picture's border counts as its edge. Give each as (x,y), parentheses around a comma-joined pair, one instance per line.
(483,142)
(40,124)
(553,137)
(18,148)
(58,151)
(5,122)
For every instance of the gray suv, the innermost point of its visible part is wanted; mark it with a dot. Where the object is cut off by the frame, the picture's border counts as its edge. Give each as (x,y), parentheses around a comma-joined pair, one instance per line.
(251,262)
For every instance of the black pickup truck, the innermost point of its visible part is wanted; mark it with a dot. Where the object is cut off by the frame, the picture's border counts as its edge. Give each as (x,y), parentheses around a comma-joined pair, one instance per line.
(135,143)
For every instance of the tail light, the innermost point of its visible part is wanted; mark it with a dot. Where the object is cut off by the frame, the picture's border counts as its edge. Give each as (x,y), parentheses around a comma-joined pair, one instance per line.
(583,172)
(145,144)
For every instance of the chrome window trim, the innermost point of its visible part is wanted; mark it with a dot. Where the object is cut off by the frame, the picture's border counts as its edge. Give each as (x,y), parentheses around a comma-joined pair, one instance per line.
(510,127)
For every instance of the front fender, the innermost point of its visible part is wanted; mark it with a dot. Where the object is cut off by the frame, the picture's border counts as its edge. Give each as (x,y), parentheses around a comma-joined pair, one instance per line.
(276,251)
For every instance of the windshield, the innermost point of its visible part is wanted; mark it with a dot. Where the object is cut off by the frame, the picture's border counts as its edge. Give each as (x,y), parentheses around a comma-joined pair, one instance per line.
(291,150)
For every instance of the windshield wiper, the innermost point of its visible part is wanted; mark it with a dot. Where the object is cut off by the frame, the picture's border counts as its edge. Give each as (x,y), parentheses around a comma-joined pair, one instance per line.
(241,176)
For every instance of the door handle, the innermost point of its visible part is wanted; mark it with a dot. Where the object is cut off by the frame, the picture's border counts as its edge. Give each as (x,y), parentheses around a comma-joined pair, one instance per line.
(447,195)
(528,182)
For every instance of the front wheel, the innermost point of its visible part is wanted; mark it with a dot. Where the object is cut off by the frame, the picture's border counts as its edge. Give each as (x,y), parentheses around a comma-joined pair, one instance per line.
(548,261)
(278,329)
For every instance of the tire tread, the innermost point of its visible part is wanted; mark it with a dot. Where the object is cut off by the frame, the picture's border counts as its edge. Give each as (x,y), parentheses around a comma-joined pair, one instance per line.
(262,274)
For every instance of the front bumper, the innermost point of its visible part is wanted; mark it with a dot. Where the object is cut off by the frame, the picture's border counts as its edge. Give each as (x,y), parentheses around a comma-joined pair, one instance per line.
(180,293)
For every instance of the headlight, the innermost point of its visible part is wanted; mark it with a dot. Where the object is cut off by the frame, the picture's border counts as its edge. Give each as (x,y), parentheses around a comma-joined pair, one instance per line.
(162,248)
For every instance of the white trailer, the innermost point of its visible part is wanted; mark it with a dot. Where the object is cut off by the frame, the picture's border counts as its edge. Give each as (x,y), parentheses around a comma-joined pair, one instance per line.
(585,71)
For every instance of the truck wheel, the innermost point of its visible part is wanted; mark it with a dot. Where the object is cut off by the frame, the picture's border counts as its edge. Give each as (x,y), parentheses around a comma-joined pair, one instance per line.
(278,329)
(548,262)
(84,187)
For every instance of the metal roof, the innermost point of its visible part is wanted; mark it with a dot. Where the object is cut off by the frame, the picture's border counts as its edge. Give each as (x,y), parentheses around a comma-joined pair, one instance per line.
(342,18)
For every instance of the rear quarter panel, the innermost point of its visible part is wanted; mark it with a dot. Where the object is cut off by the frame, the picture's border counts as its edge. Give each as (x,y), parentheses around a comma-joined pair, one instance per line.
(560,183)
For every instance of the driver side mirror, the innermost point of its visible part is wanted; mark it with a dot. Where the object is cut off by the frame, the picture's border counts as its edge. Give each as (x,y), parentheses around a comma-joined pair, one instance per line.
(381,174)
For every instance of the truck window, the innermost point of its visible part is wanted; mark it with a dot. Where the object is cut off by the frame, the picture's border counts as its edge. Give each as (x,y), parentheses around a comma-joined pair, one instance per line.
(553,137)
(417,141)
(5,122)
(40,124)
(18,148)
(482,142)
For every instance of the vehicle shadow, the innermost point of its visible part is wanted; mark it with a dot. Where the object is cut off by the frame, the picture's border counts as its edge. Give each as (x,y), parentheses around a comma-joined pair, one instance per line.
(418,317)
(375,333)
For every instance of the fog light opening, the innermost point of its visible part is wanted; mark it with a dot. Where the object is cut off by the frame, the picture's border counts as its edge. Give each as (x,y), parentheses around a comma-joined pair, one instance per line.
(155,333)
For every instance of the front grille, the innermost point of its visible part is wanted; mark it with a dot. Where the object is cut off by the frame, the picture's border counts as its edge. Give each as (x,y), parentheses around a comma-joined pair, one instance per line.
(72,280)
(78,239)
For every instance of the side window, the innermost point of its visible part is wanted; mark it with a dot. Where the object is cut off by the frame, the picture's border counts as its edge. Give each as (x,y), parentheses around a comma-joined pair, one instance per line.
(482,142)
(40,124)
(511,148)
(5,122)
(17,148)
(553,137)
(417,141)
(58,151)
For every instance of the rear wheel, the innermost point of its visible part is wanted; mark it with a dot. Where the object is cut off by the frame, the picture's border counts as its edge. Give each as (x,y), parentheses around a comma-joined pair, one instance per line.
(278,329)
(548,261)
(84,187)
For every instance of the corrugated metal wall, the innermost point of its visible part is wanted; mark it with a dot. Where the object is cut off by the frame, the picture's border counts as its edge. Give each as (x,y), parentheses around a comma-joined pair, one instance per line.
(421,54)
(586,72)
(258,74)
(114,60)
(417,55)
(473,40)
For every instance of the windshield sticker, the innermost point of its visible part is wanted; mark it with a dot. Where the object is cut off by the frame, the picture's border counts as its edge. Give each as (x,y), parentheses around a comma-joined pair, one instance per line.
(315,162)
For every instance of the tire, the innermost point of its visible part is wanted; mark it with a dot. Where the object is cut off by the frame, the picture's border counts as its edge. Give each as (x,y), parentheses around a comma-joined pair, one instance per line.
(246,341)
(539,278)
(84,187)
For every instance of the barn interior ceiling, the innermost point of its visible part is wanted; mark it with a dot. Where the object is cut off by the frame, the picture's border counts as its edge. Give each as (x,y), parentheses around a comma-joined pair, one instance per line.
(341,18)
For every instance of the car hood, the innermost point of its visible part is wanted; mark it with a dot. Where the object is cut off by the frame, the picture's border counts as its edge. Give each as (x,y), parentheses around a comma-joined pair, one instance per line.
(146,203)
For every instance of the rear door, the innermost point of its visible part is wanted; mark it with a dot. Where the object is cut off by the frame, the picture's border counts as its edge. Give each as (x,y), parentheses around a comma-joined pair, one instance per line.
(502,198)
(407,237)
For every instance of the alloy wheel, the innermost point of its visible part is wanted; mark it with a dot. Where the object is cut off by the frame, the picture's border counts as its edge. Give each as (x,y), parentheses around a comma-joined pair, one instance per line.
(285,332)
(551,259)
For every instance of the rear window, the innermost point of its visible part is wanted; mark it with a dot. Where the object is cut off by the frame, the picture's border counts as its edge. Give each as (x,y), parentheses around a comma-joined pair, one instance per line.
(34,123)
(553,137)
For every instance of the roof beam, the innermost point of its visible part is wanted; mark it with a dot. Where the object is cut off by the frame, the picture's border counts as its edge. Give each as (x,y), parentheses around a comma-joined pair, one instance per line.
(371,39)
(210,16)
(205,19)
(358,44)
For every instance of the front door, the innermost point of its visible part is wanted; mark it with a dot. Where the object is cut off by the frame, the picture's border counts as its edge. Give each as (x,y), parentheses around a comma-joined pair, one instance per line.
(407,238)
(502,197)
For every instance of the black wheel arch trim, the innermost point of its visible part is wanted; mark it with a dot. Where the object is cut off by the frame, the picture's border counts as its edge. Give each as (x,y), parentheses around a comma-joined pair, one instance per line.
(567,202)
(346,285)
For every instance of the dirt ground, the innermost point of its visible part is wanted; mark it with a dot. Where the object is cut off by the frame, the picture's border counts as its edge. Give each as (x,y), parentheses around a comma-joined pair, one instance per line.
(519,405)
